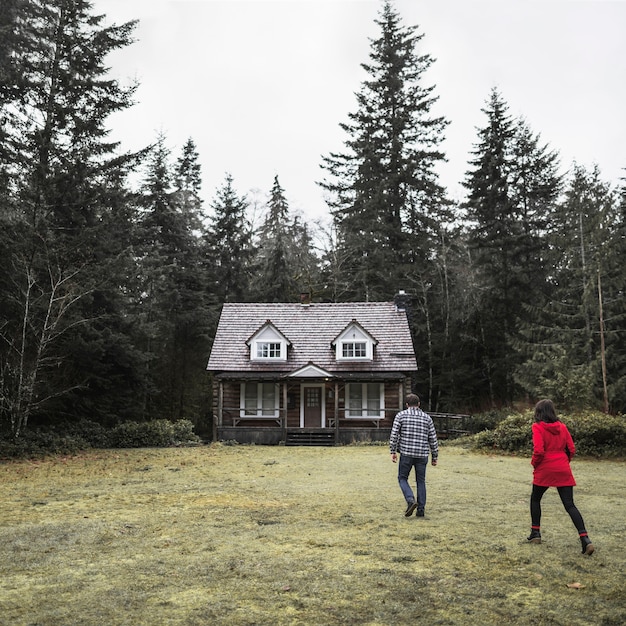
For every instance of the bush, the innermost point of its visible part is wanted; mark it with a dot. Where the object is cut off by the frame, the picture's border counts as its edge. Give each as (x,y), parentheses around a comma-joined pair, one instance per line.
(183,433)
(514,434)
(598,434)
(487,420)
(39,443)
(155,434)
(595,434)
(71,438)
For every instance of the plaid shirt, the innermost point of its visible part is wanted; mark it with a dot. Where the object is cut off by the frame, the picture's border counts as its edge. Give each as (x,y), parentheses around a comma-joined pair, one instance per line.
(413,434)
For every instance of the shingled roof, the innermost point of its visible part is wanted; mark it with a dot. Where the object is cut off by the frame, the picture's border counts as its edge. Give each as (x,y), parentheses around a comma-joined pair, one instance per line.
(311,328)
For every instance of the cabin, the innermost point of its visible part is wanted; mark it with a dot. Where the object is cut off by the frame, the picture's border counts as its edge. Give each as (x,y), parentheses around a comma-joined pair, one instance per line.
(310,373)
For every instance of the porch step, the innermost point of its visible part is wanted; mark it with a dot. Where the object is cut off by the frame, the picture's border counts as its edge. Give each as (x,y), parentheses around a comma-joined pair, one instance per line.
(310,438)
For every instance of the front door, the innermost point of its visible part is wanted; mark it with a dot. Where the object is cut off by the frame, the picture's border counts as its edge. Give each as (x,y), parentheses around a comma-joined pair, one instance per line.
(312,406)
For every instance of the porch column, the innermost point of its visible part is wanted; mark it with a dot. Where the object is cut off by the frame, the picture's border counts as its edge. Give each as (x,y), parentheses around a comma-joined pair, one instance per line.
(220,409)
(336,412)
(283,421)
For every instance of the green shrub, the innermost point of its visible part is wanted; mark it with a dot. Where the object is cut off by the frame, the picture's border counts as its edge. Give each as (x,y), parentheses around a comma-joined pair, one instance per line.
(183,433)
(71,438)
(514,434)
(487,420)
(154,434)
(33,444)
(595,434)
(598,434)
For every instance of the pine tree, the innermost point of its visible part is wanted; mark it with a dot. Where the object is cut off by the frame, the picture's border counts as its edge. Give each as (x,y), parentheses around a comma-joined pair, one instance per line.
(383,190)
(229,248)
(275,277)
(565,362)
(174,285)
(512,189)
(65,191)
(306,263)
(613,290)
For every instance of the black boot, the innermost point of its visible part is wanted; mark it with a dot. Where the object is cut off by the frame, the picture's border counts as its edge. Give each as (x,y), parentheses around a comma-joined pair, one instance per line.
(534,537)
(586,544)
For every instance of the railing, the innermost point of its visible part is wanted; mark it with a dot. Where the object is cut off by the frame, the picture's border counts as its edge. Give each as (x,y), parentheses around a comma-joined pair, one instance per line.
(234,413)
(451,425)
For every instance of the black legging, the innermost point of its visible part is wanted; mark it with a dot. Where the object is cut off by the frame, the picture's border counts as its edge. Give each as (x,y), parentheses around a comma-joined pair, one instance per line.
(567,498)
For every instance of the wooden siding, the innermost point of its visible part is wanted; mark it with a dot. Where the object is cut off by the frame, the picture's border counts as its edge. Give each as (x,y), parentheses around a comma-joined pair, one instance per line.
(394,392)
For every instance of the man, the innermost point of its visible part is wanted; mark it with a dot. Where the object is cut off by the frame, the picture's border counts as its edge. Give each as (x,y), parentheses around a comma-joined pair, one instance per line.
(413,435)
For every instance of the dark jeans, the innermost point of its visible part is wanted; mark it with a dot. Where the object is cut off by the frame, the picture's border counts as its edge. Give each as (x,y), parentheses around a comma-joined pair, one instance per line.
(567,498)
(407,463)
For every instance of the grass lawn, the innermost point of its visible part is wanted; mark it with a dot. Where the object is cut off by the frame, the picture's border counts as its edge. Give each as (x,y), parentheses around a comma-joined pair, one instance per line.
(311,536)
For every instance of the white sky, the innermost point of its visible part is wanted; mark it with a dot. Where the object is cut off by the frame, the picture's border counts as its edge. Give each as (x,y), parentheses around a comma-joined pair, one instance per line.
(262,85)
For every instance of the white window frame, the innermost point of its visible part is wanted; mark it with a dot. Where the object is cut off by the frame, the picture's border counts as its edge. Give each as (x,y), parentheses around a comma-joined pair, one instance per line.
(268,347)
(351,346)
(351,337)
(267,340)
(365,414)
(260,411)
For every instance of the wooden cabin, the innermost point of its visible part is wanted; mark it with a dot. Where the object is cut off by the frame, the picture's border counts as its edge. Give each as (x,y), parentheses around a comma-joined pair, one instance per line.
(310,373)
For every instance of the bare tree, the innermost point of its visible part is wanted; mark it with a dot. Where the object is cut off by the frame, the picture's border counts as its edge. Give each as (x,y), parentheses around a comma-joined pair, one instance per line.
(32,346)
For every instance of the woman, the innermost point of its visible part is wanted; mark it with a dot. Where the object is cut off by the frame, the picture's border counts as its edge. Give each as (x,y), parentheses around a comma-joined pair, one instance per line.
(553,448)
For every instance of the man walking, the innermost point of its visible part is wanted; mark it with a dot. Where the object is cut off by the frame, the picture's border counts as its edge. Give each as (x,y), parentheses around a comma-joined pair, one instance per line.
(413,435)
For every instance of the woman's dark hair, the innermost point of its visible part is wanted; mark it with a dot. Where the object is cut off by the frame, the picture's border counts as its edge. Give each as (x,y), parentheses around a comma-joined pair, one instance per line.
(544,412)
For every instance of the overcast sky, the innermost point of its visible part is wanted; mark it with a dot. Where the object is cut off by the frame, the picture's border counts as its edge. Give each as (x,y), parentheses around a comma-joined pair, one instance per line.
(261,86)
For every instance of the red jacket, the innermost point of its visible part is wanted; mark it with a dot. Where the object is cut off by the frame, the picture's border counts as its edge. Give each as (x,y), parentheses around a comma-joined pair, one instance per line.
(553,447)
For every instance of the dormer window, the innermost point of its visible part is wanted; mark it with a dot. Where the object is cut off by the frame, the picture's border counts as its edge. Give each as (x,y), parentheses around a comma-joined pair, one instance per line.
(354,344)
(268,344)
(268,350)
(354,350)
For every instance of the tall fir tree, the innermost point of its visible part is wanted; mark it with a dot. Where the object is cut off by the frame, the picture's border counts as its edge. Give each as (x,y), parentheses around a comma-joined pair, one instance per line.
(229,246)
(64,207)
(275,276)
(174,287)
(615,308)
(569,338)
(512,187)
(383,190)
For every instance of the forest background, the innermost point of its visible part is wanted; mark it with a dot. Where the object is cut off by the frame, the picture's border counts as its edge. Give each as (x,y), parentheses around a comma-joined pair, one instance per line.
(113,272)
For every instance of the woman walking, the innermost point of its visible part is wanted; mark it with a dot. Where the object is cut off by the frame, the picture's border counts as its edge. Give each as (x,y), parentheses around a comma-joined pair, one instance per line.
(553,448)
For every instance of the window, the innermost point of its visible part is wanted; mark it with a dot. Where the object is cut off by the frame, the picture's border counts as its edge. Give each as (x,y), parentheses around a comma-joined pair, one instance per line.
(354,344)
(268,350)
(365,400)
(259,400)
(268,344)
(354,350)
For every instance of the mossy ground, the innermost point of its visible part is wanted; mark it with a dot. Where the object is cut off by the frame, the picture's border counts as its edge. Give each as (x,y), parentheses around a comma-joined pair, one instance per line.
(312,536)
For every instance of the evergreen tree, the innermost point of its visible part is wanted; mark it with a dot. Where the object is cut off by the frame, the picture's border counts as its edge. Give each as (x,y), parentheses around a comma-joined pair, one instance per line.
(614,290)
(383,190)
(188,185)
(174,286)
(190,342)
(512,189)
(306,263)
(566,361)
(275,278)
(62,206)
(229,248)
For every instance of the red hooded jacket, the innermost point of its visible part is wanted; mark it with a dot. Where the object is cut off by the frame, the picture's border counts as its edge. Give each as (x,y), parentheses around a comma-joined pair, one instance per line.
(553,447)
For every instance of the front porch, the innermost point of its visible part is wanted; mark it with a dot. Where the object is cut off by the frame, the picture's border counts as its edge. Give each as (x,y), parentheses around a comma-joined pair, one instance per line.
(302,436)
(447,425)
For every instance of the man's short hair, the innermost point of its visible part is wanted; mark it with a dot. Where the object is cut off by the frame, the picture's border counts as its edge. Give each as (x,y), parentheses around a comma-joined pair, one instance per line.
(413,399)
